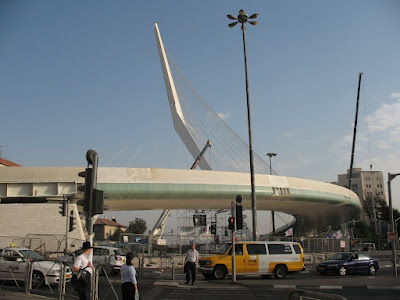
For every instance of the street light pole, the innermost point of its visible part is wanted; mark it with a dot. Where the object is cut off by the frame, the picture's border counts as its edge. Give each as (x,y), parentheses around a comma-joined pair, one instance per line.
(242,18)
(390,178)
(270,172)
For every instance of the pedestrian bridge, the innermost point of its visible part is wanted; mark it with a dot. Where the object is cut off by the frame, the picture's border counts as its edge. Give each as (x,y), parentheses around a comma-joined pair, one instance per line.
(316,203)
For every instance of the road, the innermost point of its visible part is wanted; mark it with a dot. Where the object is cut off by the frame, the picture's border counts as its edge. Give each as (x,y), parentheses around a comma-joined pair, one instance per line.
(383,285)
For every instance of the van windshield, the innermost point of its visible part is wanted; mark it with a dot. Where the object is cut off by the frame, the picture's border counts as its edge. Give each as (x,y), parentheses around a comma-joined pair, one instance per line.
(223,248)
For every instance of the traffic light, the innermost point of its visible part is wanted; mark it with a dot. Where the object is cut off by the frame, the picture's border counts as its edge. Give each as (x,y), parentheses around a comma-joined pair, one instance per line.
(87,188)
(239,217)
(98,202)
(231,223)
(71,221)
(63,208)
(213,229)
(239,212)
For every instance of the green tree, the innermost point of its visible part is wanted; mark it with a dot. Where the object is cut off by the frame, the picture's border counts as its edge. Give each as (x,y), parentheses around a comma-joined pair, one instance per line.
(137,226)
(368,206)
(115,236)
(361,230)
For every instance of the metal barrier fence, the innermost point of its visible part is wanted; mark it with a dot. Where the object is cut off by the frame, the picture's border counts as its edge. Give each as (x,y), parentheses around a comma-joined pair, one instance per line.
(33,273)
(157,267)
(17,269)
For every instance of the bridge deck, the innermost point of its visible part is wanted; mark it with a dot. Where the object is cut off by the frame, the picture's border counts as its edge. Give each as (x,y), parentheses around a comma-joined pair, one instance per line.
(316,203)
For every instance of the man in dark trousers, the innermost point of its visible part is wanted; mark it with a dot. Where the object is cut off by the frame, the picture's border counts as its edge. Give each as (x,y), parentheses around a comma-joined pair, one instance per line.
(192,257)
(84,262)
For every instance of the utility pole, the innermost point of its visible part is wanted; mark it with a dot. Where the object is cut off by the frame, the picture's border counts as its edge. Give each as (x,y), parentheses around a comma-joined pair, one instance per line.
(242,18)
(394,254)
(270,154)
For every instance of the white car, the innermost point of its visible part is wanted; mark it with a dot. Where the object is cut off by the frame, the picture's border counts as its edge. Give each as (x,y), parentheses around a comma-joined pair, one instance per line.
(109,255)
(102,255)
(13,266)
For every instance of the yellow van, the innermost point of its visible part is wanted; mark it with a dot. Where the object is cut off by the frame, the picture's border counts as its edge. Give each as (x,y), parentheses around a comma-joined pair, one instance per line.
(254,258)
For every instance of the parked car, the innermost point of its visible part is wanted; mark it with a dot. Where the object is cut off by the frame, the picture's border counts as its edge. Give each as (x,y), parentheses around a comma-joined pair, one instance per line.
(364,247)
(102,255)
(13,265)
(345,263)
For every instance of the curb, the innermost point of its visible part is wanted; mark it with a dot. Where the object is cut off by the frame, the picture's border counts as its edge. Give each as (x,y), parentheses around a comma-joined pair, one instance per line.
(337,287)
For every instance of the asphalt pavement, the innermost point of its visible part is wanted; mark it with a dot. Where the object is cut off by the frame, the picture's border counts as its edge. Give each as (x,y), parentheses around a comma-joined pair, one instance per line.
(382,282)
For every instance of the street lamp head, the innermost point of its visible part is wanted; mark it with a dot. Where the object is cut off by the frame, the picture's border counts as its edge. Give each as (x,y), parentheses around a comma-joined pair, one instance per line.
(271,154)
(253,16)
(232,24)
(242,18)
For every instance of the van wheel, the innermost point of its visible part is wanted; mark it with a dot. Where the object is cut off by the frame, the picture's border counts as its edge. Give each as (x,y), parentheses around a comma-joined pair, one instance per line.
(219,273)
(37,279)
(280,272)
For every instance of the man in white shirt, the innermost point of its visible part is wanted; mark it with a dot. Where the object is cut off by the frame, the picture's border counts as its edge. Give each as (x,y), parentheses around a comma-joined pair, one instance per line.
(84,261)
(192,257)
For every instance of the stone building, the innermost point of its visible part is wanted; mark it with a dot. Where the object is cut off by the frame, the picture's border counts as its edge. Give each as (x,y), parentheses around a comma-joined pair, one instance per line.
(105,228)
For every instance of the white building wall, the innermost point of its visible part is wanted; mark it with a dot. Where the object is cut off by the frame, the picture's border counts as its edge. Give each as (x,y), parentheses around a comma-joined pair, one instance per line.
(38,226)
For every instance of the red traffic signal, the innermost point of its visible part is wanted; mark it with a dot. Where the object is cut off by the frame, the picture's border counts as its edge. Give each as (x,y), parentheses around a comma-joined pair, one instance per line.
(231,223)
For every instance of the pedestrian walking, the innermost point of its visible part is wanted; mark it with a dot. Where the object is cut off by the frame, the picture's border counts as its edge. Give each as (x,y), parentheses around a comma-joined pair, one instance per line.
(128,277)
(82,272)
(191,259)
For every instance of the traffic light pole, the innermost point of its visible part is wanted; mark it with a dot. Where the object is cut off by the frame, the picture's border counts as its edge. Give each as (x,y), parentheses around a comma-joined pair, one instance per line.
(92,158)
(66,199)
(233,245)
(216,232)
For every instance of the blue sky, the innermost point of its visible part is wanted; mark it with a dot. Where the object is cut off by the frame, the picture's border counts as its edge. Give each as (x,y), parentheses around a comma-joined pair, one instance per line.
(79,75)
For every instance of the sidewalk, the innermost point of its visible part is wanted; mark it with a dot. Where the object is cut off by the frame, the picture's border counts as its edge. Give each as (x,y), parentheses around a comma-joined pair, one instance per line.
(11,295)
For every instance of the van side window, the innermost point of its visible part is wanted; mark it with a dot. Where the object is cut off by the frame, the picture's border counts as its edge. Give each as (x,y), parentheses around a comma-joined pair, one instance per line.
(279,249)
(256,249)
(238,250)
(297,249)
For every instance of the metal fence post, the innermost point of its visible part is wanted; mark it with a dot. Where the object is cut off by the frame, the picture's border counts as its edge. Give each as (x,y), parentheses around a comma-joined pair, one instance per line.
(28,276)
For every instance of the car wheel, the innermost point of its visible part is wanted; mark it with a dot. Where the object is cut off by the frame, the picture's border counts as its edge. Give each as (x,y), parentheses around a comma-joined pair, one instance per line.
(280,272)
(342,271)
(371,270)
(219,273)
(37,279)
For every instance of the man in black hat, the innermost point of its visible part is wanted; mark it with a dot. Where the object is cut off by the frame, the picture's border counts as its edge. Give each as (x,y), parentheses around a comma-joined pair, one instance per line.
(84,262)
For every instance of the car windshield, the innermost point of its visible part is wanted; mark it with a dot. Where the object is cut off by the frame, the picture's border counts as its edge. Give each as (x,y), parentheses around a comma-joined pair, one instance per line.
(341,256)
(31,254)
(117,252)
(223,248)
